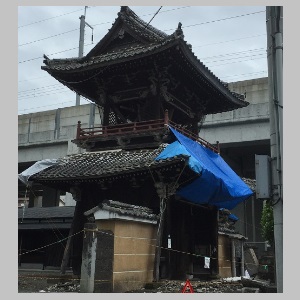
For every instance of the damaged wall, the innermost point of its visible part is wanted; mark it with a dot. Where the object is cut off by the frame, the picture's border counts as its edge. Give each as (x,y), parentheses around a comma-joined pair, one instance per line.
(134,252)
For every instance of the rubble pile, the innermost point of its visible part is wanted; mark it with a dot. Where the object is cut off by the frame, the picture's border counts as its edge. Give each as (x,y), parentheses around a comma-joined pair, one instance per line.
(174,286)
(66,287)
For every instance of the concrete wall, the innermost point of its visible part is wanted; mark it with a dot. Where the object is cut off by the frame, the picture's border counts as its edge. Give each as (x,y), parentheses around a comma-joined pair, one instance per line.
(134,252)
(48,134)
(246,124)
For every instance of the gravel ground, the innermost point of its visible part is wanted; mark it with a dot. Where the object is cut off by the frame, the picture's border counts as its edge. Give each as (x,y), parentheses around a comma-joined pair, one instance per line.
(37,282)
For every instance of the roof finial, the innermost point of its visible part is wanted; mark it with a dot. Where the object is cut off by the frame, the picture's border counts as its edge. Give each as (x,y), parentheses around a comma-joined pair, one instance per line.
(124,8)
(178,31)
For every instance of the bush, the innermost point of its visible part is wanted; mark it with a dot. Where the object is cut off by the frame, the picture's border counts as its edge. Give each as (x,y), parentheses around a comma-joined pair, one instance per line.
(267,223)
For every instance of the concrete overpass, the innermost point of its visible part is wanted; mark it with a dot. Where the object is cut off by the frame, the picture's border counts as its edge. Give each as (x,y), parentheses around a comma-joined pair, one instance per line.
(242,132)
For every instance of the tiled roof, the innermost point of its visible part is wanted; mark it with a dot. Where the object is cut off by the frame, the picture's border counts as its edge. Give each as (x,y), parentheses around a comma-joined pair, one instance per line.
(154,41)
(46,212)
(250,182)
(77,63)
(104,164)
(141,27)
(124,209)
(57,65)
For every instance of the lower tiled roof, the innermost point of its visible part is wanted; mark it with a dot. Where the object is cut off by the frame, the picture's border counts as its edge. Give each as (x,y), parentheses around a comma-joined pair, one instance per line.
(104,164)
(54,212)
(124,209)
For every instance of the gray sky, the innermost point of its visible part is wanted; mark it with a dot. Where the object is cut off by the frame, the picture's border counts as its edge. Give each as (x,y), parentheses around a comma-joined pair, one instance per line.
(230,40)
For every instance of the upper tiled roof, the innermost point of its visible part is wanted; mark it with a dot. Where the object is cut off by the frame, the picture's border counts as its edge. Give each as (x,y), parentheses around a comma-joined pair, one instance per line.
(104,164)
(68,64)
(141,42)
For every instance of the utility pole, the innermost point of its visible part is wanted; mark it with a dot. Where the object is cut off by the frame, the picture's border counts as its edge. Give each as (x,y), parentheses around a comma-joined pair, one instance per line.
(81,43)
(274,17)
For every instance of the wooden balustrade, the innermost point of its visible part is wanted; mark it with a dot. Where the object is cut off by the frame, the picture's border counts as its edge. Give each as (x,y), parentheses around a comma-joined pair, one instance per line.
(139,127)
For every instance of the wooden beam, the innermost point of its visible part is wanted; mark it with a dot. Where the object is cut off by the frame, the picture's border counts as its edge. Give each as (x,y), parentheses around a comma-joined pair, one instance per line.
(159,242)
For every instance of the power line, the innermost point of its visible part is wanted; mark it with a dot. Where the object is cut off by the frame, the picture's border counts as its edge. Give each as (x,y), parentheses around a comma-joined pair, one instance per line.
(235,62)
(243,38)
(153,17)
(30,59)
(37,88)
(227,59)
(233,53)
(54,90)
(49,18)
(49,37)
(187,26)
(35,78)
(246,74)
(219,20)
(57,104)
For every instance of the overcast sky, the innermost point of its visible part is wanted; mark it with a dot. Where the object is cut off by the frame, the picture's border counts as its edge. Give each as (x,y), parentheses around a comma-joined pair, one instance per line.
(230,40)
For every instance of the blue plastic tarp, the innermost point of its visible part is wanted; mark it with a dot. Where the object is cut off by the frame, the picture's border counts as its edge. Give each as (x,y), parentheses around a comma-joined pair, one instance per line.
(217,184)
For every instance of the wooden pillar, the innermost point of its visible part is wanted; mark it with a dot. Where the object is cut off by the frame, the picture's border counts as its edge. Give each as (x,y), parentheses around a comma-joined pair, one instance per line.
(161,190)
(106,109)
(166,119)
(74,228)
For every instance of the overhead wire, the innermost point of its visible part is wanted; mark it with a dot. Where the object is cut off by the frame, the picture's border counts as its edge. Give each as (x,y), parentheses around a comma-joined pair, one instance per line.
(49,18)
(219,20)
(186,26)
(153,17)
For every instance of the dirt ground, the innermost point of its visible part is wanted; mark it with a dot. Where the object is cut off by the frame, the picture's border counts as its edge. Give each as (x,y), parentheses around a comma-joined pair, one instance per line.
(50,282)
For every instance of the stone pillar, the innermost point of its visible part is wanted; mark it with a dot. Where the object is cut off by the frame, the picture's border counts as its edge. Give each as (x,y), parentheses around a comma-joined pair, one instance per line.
(104,262)
(88,258)
(97,260)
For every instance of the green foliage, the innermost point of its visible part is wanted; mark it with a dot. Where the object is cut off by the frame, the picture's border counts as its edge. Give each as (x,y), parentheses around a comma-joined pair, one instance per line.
(267,223)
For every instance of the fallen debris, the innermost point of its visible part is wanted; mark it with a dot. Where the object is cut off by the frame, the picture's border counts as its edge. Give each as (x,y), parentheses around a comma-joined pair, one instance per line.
(265,286)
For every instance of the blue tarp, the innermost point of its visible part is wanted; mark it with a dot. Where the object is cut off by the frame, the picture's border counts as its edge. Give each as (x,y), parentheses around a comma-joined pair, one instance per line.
(217,185)
(231,216)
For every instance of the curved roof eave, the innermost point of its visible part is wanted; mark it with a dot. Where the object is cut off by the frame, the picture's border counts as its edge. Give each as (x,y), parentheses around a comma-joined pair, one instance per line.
(144,52)
(212,78)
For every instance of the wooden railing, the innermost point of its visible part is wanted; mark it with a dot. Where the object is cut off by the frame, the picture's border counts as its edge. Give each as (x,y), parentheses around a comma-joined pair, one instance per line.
(139,127)
(194,137)
(111,130)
